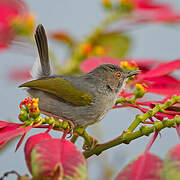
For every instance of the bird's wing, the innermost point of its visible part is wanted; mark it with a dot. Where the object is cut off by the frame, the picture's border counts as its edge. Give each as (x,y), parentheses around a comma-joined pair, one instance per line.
(61,88)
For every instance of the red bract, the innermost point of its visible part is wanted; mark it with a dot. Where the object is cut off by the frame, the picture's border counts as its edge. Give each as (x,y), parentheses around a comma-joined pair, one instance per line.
(151,141)
(143,64)
(20,74)
(158,80)
(49,158)
(10,130)
(92,62)
(30,143)
(9,11)
(160,116)
(147,166)
(149,11)
(161,70)
(172,163)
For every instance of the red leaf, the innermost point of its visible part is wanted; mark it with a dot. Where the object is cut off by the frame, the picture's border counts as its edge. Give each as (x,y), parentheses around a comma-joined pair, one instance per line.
(167,91)
(10,130)
(151,141)
(92,62)
(166,80)
(4,124)
(20,74)
(20,141)
(9,9)
(143,64)
(158,115)
(148,164)
(54,158)
(161,70)
(172,163)
(30,143)
(148,11)
(178,129)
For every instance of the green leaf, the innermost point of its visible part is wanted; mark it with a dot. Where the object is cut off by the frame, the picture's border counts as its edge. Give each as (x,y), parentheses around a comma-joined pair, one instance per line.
(115,44)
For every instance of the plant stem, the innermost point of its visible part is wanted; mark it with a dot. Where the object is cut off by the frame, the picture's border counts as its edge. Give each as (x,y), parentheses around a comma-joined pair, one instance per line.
(158,107)
(126,137)
(72,65)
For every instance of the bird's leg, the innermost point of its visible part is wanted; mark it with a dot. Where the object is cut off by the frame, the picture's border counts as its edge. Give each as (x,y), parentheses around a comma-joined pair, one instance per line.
(70,128)
(74,138)
(89,142)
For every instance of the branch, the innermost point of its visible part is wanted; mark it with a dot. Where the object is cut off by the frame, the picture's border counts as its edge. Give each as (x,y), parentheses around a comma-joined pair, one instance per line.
(150,113)
(126,137)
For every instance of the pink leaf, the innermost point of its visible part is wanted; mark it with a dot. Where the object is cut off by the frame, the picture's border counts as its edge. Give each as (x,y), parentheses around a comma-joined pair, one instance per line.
(20,141)
(54,158)
(167,91)
(20,74)
(143,64)
(148,11)
(10,130)
(9,9)
(172,163)
(92,62)
(151,141)
(30,143)
(161,70)
(148,164)
(4,124)
(166,80)
(178,129)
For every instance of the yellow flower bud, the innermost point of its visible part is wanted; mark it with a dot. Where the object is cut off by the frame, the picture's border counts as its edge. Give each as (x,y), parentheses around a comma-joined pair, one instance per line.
(124,64)
(140,90)
(86,49)
(99,50)
(35,100)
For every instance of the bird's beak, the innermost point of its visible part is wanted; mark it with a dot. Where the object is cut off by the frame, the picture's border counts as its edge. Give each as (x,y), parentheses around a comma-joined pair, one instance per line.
(131,73)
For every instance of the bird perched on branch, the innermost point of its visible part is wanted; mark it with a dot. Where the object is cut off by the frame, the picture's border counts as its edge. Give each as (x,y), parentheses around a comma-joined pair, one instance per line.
(82,100)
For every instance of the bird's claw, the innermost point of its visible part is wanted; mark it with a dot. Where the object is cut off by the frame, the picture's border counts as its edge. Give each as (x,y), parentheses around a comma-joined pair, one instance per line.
(93,144)
(71,128)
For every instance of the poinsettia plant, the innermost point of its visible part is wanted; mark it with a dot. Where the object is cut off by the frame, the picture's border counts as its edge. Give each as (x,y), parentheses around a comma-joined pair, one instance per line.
(59,158)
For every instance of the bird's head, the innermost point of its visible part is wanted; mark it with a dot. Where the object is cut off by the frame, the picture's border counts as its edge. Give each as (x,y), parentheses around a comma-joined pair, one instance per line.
(113,76)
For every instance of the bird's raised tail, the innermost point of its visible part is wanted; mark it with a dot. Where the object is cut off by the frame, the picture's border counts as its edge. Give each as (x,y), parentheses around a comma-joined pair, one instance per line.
(42,66)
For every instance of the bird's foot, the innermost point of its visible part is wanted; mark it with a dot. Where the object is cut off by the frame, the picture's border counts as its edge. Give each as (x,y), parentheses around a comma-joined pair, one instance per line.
(89,141)
(69,127)
(90,144)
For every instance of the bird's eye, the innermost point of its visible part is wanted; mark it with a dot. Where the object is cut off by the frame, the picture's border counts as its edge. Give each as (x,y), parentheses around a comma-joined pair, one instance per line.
(118,75)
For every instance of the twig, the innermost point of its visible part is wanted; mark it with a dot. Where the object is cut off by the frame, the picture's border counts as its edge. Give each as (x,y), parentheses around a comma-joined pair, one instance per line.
(126,137)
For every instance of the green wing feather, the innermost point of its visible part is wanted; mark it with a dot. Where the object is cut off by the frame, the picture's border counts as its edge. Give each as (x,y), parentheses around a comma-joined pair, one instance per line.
(61,88)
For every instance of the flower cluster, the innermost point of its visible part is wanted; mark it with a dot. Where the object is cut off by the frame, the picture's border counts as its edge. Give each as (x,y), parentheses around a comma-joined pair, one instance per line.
(29,115)
(29,109)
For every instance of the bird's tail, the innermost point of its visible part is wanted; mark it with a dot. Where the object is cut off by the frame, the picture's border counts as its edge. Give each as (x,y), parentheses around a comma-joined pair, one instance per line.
(42,66)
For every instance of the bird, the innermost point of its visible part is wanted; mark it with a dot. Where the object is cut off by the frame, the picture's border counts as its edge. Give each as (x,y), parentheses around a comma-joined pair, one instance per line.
(83,99)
